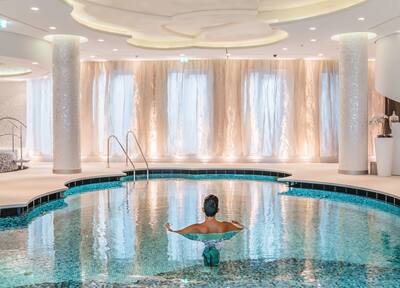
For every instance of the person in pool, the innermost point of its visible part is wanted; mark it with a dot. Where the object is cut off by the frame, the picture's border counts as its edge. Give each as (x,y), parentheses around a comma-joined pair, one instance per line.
(210,226)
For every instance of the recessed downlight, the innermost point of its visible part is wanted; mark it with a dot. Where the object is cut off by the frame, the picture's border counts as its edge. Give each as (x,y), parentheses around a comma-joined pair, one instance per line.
(313,40)
(52,28)
(100,40)
(92,56)
(115,50)
(35,9)
(35,63)
(284,48)
(312,28)
(360,18)
(320,54)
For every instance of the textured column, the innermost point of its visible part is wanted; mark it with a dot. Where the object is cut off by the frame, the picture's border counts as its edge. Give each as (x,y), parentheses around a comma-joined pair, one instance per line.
(66,112)
(353,107)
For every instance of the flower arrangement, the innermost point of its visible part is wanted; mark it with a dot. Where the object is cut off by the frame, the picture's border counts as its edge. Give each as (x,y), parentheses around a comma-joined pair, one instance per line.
(379,119)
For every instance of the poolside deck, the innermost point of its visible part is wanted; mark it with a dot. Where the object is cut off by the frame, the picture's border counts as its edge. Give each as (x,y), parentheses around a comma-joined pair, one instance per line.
(19,188)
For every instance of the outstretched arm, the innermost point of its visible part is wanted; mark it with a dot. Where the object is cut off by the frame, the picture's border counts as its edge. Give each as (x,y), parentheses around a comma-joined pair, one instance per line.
(187,230)
(233,226)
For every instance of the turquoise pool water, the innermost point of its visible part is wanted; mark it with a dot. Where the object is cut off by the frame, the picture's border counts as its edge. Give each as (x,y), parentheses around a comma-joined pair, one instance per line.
(114,237)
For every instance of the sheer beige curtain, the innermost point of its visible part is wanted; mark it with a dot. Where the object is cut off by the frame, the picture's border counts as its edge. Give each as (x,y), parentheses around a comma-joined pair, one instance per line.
(216,110)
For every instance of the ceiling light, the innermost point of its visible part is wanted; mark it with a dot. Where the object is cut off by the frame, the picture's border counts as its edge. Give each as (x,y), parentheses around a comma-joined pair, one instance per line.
(313,40)
(35,63)
(100,40)
(3,23)
(284,48)
(312,28)
(320,54)
(92,56)
(35,9)
(52,28)
(361,19)
(115,49)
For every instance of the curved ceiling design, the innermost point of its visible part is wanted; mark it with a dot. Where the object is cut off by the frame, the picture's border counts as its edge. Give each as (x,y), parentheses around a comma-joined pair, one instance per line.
(166,24)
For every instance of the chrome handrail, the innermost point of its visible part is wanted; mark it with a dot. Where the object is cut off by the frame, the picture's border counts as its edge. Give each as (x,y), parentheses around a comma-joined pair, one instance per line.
(140,149)
(13,119)
(123,150)
(10,120)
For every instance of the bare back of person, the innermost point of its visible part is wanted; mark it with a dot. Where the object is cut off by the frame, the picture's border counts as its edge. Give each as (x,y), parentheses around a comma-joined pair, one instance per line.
(210,224)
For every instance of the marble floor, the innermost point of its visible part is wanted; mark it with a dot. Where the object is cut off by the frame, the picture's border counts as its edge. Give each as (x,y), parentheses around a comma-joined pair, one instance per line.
(19,188)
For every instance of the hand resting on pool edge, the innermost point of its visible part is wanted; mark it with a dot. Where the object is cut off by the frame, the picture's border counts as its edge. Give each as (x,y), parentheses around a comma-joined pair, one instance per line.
(210,232)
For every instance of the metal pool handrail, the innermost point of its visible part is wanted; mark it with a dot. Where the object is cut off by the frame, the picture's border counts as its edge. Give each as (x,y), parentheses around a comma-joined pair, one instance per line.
(123,150)
(13,119)
(12,134)
(140,149)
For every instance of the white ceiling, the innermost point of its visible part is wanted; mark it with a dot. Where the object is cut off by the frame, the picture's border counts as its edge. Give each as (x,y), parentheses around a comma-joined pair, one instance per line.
(207,23)
(381,17)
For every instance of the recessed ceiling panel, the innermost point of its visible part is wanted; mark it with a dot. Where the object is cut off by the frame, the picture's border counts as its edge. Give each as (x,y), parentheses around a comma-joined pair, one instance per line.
(168,24)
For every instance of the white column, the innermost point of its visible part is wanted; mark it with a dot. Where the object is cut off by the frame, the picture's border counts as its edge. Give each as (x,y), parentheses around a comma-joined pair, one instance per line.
(353,107)
(66,112)
(387,68)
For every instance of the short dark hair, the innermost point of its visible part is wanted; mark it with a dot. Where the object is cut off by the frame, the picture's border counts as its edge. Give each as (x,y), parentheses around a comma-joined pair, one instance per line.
(211,205)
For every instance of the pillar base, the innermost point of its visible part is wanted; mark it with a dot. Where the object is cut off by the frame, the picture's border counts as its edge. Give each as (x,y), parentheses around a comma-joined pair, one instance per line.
(350,172)
(67,171)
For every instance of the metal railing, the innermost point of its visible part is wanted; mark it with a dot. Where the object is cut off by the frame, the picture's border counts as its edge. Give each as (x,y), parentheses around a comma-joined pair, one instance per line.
(140,149)
(123,150)
(12,121)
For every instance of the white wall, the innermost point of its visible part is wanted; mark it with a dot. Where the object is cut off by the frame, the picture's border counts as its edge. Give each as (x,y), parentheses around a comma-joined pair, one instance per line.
(12,103)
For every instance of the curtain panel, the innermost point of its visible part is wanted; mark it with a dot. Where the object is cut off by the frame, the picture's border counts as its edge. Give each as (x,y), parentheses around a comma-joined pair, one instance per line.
(215,110)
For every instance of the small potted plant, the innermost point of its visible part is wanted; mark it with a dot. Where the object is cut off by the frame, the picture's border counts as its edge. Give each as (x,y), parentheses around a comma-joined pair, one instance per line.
(383,146)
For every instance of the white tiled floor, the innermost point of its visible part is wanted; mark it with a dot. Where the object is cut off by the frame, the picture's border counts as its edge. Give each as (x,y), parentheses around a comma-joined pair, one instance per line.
(19,188)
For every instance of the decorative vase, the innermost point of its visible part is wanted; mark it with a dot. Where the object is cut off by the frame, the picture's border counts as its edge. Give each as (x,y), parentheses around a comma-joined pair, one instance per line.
(384,155)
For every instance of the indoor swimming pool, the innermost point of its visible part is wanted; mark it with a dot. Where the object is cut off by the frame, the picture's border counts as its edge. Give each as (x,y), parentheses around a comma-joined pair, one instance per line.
(112,235)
